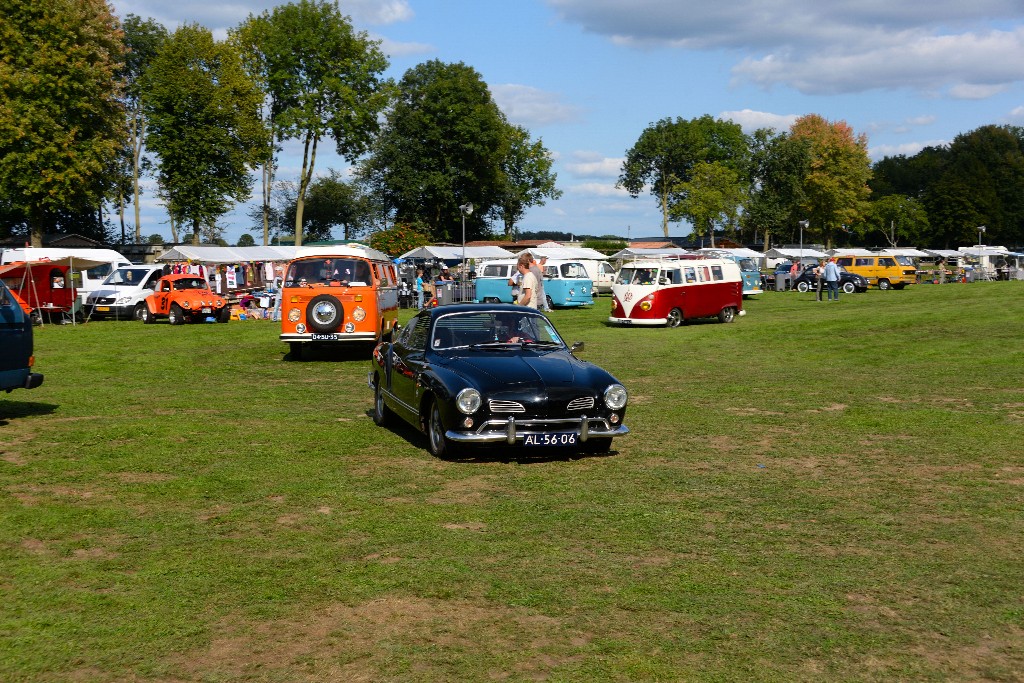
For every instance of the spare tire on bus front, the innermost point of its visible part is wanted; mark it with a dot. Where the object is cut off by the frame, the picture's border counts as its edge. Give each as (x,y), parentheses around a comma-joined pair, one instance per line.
(324,313)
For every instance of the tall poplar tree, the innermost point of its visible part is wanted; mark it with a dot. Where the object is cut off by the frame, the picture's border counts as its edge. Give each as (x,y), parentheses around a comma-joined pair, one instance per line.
(203,127)
(60,118)
(322,79)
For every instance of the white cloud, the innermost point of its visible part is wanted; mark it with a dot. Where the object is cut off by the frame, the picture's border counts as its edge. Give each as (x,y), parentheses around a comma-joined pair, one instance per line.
(750,120)
(529,106)
(826,47)
(394,48)
(594,165)
(597,190)
(908,148)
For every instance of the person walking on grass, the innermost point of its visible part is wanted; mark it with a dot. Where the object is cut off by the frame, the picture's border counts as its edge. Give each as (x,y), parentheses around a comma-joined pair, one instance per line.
(819,277)
(832,279)
(528,284)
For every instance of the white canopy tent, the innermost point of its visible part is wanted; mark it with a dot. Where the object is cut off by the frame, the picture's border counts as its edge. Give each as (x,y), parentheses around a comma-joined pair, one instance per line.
(641,252)
(792,253)
(906,251)
(214,255)
(553,250)
(454,253)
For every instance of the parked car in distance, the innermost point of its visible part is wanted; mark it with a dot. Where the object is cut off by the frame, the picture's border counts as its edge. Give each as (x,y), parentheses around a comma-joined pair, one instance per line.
(123,293)
(182,298)
(473,374)
(848,282)
(16,357)
(881,270)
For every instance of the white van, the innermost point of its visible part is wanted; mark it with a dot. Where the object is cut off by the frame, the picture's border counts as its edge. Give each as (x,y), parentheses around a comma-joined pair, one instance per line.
(122,294)
(602,273)
(97,264)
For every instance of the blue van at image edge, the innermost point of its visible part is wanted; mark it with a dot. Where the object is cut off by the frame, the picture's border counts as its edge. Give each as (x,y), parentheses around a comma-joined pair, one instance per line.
(16,357)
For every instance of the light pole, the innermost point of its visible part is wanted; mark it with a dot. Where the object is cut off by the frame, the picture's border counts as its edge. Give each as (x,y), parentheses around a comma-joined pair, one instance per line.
(981,257)
(803,224)
(465,209)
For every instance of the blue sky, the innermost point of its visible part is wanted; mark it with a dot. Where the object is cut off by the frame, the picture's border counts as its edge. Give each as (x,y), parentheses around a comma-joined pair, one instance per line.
(587,76)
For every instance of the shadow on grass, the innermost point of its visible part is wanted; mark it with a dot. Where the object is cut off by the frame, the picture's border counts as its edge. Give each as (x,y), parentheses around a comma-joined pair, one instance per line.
(14,409)
(490,453)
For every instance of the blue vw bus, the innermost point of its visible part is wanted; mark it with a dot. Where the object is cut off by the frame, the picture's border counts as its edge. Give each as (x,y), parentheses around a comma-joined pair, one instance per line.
(566,283)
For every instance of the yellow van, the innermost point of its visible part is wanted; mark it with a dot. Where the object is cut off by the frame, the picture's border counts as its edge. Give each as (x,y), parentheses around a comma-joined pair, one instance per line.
(881,270)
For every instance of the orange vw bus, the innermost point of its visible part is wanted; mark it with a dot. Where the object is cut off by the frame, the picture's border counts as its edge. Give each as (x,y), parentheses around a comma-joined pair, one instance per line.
(338,295)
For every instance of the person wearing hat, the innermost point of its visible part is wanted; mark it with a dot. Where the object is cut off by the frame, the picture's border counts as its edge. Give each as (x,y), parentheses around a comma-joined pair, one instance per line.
(446,275)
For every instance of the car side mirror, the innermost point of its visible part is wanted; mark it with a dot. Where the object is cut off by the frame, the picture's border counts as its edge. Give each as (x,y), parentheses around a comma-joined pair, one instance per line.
(576,346)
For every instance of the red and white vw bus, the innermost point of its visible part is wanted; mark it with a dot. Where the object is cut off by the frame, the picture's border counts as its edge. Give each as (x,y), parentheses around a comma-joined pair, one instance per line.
(668,291)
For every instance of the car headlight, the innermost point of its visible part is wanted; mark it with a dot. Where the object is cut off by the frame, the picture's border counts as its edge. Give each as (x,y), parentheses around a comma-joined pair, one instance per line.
(123,300)
(359,314)
(294,314)
(468,401)
(186,304)
(615,397)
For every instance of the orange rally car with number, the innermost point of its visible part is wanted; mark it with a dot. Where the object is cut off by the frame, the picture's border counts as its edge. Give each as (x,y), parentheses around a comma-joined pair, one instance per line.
(183,298)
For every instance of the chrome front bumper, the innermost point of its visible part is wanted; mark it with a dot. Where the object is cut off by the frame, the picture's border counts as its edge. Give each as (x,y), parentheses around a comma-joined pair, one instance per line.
(512,432)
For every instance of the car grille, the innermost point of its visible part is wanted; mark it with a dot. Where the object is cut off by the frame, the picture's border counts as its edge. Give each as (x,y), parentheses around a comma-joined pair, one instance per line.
(103,301)
(582,403)
(497,406)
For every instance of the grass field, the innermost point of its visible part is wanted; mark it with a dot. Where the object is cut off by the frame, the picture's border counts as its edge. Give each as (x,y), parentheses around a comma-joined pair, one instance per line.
(817,492)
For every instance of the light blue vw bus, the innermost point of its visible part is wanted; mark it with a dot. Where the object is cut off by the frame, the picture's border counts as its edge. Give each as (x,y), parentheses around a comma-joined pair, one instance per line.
(566,283)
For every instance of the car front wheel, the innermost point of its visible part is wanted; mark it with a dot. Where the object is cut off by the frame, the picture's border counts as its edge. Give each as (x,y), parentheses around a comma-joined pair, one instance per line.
(145,316)
(139,311)
(884,285)
(440,446)
(176,316)
(381,413)
(675,318)
(849,287)
(802,287)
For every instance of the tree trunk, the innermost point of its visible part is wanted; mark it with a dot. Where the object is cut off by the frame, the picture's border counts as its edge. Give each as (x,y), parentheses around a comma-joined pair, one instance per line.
(308,162)
(195,232)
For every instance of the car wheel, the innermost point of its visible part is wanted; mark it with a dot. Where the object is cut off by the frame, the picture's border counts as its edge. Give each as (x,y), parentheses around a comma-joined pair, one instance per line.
(551,306)
(381,413)
(674,319)
(440,446)
(324,313)
(849,287)
(597,446)
(176,316)
(224,315)
(802,287)
(884,285)
(727,315)
(147,317)
(139,311)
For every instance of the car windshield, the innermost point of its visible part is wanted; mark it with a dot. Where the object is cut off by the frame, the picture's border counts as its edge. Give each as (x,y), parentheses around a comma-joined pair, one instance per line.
(312,270)
(493,329)
(127,276)
(190,283)
(637,276)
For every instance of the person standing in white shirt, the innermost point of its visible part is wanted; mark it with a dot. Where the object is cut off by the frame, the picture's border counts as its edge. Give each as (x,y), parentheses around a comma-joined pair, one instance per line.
(527,283)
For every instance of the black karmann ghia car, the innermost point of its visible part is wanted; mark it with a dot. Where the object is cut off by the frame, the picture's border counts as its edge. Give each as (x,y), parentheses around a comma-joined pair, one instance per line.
(498,374)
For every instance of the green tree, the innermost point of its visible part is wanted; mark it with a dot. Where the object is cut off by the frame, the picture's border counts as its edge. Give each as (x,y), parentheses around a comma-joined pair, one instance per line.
(527,179)
(835,187)
(778,166)
(441,146)
(204,127)
(60,118)
(897,218)
(666,152)
(246,240)
(401,238)
(322,79)
(712,197)
(142,39)
(332,202)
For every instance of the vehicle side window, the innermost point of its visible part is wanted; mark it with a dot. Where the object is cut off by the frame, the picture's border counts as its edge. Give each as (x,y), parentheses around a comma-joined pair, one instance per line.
(716,271)
(414,336)
(845,261)
(864,262)
(886,262)
(690,275)
(705,276)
